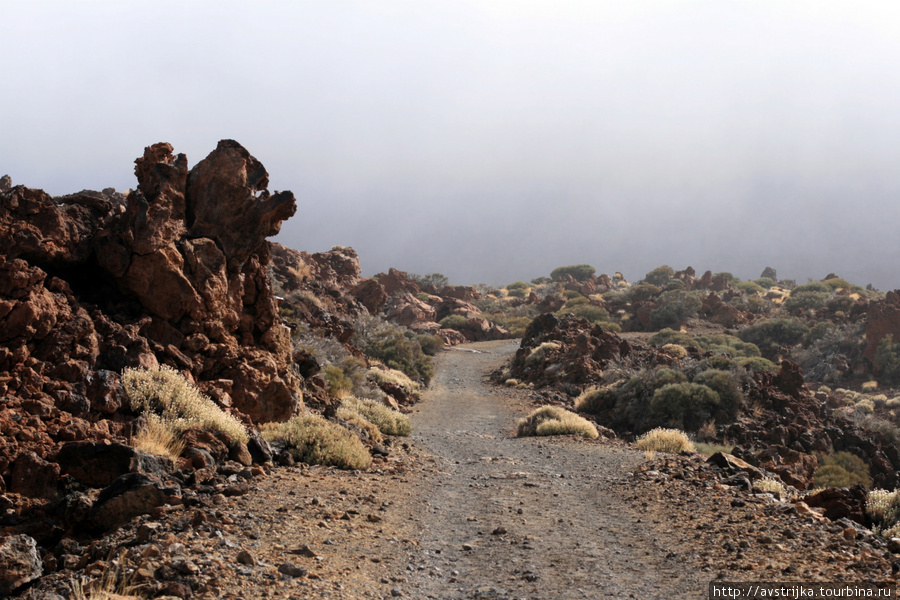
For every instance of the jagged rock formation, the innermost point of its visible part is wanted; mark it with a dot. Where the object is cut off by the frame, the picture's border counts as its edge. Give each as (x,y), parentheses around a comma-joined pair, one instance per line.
(883,319)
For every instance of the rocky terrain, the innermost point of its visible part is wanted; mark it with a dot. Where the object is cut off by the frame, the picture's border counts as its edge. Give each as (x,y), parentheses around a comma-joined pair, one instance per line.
(464,509)
(177,277)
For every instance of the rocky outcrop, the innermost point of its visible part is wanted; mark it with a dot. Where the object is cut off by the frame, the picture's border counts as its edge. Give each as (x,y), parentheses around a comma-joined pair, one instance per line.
(395,281)
(174,272)
(715,310)
(883,319)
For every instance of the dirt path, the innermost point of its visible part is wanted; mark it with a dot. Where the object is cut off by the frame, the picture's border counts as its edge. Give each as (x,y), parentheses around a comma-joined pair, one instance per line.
(526,517)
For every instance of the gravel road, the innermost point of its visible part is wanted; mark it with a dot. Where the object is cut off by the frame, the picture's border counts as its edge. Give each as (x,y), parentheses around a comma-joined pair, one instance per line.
(508,517)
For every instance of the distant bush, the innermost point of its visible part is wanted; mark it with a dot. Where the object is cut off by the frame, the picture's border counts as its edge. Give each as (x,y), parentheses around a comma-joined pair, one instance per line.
(180,405)
(541,280)
(842,469)
(674,350)
(642,292)
(659,276)
(670,336)
(771,334)
(430,344)
(395,346)
(585,310)
(837,283)
(518,289)
(764,282)
(314,440)
(812,286)
(437,280)
(386,419)
(751,287)
(578,272)
(665,440)
(572,294)
(674,308)
(457,322)
(553,420)
(684,405)
(726,344)
(757,364)
(805,301)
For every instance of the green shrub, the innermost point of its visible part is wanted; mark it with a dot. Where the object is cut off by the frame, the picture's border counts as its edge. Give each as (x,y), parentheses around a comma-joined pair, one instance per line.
(642,292)
(764,282)
(572,294)
(670,336)
(771,334)
(684,405)
(726,386)
(436,279)
(541,280)
(592,313)
(386,419)
(553,420)
(179,403)
(457,322)
(665,440)
(430,344)
(395,346)
(578,272)
(339,385)
(659,276)
(751,287)
(805,301)
(842,469)
(726,344)
(314,440)
(757,364)
(674,350)
(812,286)
(596,400)
(674,308)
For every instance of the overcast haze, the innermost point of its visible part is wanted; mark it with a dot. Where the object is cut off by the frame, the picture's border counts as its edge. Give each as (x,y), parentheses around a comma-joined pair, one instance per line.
(493,141)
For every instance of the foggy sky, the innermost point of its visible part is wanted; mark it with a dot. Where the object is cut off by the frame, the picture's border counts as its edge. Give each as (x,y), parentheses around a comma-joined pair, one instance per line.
(493,140)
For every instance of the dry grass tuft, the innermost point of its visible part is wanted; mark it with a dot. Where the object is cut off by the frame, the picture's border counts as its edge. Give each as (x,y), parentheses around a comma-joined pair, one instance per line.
(538,353)
(553,420)
(158,438)
(768,485)
(674,350)
(394,377)
(354,419)
(386,419)
(665,440)
(314,440)
(165,392)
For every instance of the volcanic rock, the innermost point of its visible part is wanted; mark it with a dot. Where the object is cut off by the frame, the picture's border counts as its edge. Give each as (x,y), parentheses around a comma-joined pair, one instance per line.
(19,563)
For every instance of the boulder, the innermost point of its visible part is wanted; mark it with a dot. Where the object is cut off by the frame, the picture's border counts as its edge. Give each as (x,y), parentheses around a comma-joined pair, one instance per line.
(406,309)
(34,477)
(371,294)
(20,563)
(129,496)
(98,464)
(883,319)
(839,503)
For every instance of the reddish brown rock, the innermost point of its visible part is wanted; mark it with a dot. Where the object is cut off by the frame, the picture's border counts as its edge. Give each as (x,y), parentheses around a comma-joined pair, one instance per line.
(715,310)
(371,294)
(406,309)
(396,281)
(465,293)
(883,319)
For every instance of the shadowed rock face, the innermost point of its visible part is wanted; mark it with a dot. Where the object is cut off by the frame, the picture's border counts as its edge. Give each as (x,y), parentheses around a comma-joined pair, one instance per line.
(173,272)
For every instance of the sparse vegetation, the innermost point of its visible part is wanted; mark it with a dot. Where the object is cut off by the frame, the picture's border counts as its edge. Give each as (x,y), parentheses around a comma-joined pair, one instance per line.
(578,272)
(842,469)
(386,419)
(665,440)
(395,346)
(457,322)
(314,440)
(553,420)
(177,402)
(156,437)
